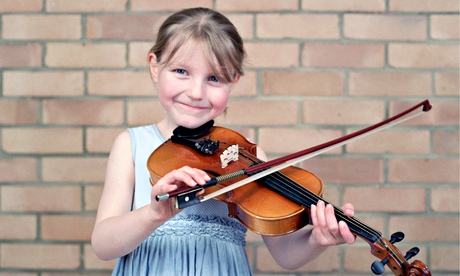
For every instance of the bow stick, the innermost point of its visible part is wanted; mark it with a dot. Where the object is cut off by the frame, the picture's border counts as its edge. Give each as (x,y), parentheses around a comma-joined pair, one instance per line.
(188,198)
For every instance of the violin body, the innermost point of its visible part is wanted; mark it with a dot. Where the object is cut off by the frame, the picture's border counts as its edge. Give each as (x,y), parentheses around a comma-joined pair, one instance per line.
(278,203)
(259,208)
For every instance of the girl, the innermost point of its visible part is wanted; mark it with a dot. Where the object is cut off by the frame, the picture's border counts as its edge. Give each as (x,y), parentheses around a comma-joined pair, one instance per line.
(196,62)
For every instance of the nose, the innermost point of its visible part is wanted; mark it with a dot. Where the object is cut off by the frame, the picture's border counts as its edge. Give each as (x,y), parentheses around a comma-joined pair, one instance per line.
(196,90)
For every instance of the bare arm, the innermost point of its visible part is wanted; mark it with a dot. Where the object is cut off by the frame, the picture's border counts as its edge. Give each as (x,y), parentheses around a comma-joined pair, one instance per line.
(118,230)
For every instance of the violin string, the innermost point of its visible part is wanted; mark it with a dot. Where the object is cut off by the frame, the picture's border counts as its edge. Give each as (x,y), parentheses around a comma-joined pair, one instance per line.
(286,185)
(303,196)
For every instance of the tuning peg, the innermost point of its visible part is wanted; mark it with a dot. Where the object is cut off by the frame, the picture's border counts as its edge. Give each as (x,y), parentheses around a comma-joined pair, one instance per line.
(397,237)
(411,253)
(379,267)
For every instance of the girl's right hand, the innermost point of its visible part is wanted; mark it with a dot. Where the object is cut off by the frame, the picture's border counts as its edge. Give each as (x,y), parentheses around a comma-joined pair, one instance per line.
(185,176)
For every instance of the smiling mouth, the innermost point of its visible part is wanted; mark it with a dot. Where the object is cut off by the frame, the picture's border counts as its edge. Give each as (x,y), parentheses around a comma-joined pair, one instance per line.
(192,107)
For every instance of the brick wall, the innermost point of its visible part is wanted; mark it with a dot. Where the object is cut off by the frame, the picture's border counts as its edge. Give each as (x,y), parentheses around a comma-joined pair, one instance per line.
(73,75)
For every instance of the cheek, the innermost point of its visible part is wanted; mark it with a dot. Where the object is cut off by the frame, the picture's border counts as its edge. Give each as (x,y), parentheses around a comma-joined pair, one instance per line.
(219,100)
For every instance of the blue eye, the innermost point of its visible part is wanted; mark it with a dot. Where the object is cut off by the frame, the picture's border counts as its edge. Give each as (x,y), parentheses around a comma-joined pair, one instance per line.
(180,71)
(213,79)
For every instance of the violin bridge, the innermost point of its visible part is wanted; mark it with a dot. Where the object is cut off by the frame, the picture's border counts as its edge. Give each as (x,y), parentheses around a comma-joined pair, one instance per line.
(229,155)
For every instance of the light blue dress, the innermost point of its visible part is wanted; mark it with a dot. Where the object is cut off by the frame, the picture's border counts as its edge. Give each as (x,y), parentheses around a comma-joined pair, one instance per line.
(200,240)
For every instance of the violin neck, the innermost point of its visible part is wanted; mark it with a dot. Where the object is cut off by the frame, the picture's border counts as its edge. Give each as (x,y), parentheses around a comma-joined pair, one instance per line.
(302,196)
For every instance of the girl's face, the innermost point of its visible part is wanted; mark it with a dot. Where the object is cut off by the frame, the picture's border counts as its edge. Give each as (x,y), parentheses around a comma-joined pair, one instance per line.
(188,89)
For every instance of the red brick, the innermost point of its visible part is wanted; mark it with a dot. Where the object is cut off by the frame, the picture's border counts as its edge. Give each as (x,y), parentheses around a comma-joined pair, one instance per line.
(37,140)
(18,112)
(303,83)
(332,112)
(244,23)
(287,26)
(17,274)
(282,55)
(445,200)
(144,112)
(290,140)
(67,228)
(382,27)
(247,85)
(269,5)
(85,6)
(101,139)
(146,5)
(404,55)
(390,84)
(74,169)
(444,258)
(40,199)
(40,256)
(20,6)
(445,26)
(338,5)
(447,84)
(379,199)
(83,112)
(423,170)
(343,55)
(92,197)
(20,55)
(51,27)
(87,55)
(338,170)
(18,169)
(392,142)
(120,83)
(14,227)
(246,113)
(446,142)
(123,26)
(426,228)
(49,83)
(424,6)
(138,52)
(441,114)
(327,261)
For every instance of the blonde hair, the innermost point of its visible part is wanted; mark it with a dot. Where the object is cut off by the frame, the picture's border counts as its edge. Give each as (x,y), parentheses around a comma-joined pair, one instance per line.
(219,38)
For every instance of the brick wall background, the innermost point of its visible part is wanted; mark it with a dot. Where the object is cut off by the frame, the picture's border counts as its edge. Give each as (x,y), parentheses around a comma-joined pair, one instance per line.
(73,75)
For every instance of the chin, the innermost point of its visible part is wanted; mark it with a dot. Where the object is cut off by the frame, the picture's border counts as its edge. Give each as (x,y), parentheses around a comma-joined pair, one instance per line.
(193,123)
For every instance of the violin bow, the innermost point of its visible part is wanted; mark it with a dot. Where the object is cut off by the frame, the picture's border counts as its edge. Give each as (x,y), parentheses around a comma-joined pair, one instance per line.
(381,248)
(186,197)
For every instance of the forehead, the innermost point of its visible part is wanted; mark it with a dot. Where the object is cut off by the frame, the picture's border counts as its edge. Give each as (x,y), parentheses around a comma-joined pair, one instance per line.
(177,52)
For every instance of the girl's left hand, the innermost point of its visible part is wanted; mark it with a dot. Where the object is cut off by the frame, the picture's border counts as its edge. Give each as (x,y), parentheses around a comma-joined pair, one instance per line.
(327,230)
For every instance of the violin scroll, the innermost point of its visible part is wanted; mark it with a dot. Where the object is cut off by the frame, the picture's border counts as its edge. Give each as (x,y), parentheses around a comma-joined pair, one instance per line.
(390,255)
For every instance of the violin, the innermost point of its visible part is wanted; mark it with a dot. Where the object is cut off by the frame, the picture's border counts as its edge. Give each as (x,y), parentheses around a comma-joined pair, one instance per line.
(277,203)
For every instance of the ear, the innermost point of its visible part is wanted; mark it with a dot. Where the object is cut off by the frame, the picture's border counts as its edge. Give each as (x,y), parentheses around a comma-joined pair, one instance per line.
(153,66)
(234,82)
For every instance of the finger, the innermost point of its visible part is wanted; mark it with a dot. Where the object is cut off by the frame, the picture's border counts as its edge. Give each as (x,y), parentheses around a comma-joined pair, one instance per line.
(331,220)
(197,176)
(347,235)
(320,218)
(348,210)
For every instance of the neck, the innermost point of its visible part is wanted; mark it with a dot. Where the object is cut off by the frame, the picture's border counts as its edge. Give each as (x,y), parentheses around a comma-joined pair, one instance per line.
(166,129)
